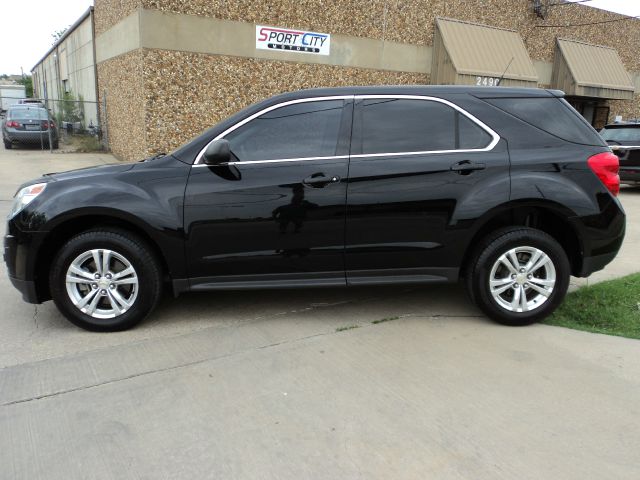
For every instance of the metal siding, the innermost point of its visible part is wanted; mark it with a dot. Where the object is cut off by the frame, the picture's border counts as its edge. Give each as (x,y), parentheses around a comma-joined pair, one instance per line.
(463,51)
(589,70)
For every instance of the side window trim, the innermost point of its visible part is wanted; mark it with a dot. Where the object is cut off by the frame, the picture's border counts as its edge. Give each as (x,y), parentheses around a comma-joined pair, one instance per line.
(495,138)
(354,99)
(346,108)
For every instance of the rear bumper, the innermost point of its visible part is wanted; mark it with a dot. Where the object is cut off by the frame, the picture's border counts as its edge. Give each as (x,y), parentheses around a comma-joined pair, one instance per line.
(595,263)
(19,136)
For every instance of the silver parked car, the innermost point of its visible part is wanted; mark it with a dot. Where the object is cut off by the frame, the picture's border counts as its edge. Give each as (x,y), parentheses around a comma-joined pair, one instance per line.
(28,125)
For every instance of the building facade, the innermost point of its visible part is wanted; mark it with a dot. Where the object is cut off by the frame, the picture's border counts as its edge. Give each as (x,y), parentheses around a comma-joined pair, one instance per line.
(168,69)
(67,76)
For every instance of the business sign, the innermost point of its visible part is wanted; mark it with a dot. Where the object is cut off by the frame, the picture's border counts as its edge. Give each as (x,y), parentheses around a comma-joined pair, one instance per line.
(273,38)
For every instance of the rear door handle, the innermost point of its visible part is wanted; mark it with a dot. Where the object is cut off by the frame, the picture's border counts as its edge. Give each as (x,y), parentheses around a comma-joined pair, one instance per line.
(319,180)
(467,166)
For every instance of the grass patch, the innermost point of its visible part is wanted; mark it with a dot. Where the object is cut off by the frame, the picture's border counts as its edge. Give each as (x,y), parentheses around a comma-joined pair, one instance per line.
(612,308)
(382,320)
(348,327)
(82,144)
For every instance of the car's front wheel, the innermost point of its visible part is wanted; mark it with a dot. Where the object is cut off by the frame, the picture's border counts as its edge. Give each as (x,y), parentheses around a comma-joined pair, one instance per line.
(519,276)
(105,280)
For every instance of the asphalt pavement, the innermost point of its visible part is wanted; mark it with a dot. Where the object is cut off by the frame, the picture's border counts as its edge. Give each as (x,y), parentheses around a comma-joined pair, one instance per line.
(273,385)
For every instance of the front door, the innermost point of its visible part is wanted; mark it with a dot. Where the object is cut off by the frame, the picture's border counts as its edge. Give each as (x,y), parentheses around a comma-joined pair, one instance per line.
(421,172)
(275,215)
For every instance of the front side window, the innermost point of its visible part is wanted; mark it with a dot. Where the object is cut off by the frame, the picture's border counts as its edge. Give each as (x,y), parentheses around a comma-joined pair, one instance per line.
(395,125)
(301,130)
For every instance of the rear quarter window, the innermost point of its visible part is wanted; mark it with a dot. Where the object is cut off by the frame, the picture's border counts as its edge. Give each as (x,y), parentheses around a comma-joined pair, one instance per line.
(551,115)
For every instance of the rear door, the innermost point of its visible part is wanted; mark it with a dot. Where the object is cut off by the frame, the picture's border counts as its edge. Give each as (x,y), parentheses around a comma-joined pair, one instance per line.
(276,214)
(421,172)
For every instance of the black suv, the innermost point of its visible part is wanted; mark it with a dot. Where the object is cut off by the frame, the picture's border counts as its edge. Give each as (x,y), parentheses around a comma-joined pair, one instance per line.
(510,190)
(624,139)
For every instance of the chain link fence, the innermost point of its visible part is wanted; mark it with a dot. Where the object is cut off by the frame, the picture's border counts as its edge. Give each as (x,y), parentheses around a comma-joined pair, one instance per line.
(68,124)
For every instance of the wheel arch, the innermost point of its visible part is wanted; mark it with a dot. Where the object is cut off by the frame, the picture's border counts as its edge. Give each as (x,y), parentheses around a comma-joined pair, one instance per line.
(64,229)
(547,216)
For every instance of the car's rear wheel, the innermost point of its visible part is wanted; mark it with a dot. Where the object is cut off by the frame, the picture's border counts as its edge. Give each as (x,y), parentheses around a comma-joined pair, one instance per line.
(105,280)
(7,145)
(518,276)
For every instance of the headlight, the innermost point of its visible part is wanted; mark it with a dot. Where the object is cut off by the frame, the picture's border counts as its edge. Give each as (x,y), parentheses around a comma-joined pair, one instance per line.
(25,196)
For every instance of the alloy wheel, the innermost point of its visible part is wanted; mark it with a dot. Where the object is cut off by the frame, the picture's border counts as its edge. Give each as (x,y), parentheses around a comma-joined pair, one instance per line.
(522,279)
(102,283)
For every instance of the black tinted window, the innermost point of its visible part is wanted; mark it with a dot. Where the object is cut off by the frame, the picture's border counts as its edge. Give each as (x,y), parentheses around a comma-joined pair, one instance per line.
(400,125)
(551,115)
(621,134)
(470,134)
(308,129)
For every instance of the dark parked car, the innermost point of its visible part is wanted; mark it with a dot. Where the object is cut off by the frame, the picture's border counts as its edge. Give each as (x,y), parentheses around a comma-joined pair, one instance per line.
(28,125)
(624,139)
(510,190)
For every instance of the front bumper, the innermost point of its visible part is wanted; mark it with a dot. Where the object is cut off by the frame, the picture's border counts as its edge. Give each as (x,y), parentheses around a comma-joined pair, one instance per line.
(19,259)
(26,288)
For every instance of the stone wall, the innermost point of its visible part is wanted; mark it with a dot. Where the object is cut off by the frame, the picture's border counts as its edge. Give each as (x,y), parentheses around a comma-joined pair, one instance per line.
(627,108)
(159,99)
(109,12)
(185,93)
(412,21)
(120,79)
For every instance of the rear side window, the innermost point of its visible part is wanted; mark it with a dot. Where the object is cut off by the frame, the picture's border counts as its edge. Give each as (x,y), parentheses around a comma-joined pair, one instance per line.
(308,129)
(470,135)
(391,125)
(551,115)
(621,134)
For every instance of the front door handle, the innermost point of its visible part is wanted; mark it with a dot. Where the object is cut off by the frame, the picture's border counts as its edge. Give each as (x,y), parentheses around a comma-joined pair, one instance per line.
(319,180)
(465,167)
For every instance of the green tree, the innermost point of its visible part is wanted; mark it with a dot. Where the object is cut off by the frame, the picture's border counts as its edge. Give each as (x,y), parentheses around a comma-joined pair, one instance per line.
(57,35)
(68,109)
(27,81)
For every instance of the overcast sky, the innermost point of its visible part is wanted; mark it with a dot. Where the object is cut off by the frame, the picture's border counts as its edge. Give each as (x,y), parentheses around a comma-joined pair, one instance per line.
(27,26)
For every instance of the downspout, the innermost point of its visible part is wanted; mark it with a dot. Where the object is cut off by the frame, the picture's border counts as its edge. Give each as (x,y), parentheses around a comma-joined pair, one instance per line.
(95,72)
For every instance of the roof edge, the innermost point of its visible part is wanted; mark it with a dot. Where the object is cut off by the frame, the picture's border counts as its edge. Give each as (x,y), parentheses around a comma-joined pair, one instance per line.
(476,24)
(67,32)
(572,40)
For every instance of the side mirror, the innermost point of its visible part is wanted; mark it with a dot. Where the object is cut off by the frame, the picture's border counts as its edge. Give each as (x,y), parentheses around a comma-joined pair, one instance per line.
(217,152)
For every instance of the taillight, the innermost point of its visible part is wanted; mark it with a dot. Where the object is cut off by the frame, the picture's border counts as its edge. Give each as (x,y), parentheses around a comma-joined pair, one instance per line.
(606,166)
(12,124)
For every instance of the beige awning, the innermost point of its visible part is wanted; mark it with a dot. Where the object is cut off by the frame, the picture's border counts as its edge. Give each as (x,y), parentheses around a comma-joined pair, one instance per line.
(467,53)
(587,70)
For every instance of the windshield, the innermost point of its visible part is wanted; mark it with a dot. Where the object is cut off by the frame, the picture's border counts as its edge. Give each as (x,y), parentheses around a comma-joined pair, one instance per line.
(622,134)
(28,113)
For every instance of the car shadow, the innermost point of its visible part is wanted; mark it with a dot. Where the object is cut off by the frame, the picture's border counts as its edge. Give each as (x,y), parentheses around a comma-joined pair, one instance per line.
(356,304)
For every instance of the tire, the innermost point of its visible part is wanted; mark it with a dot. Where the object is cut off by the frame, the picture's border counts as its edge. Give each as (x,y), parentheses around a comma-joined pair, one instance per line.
(56,145)
(7,145)
(543,288)
(100,314)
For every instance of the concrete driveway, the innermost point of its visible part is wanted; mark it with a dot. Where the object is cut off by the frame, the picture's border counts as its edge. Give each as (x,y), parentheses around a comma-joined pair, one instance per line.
(263,385)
